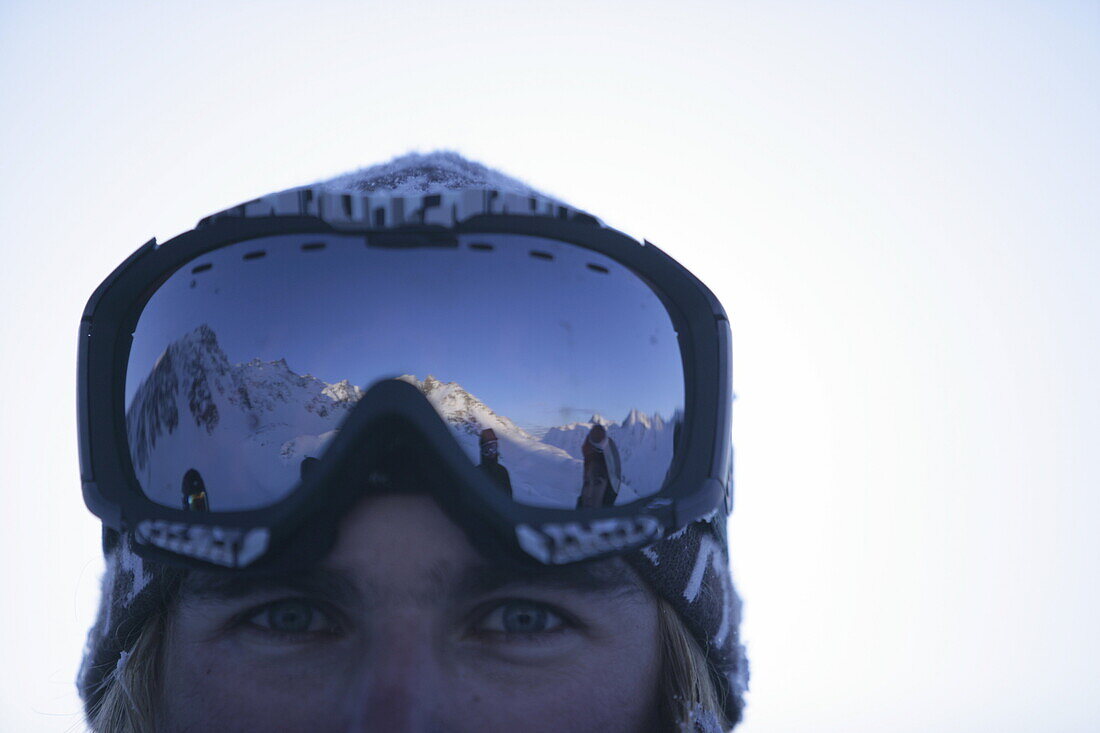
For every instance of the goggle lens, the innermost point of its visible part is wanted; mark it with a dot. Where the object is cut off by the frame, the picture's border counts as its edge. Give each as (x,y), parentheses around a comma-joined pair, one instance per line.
(245,362)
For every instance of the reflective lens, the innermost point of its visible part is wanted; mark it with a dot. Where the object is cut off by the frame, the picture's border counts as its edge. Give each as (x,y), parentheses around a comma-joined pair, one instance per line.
(556,368)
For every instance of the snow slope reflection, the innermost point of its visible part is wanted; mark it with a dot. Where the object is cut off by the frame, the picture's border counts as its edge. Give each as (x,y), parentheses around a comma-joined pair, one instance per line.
(246,428)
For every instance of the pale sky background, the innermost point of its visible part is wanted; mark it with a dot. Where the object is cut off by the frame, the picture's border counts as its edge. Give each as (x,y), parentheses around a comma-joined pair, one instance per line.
(897,203)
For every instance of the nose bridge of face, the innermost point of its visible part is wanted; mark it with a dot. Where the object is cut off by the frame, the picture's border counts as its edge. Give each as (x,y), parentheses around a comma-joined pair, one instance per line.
(397,679)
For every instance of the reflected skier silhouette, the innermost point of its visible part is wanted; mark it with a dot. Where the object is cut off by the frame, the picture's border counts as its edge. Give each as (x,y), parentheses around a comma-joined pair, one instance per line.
(194,492)
(308,465)
(490,461)
(602,470)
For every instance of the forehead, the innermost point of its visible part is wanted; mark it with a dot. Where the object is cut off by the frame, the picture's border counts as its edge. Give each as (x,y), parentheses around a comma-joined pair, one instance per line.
(403,549)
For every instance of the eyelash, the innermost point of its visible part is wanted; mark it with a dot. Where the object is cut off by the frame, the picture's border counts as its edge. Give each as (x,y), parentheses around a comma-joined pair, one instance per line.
(563,622)
(327,613)
(559,620)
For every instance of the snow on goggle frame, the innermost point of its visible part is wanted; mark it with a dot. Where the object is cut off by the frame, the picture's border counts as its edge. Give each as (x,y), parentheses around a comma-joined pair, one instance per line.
(556,368)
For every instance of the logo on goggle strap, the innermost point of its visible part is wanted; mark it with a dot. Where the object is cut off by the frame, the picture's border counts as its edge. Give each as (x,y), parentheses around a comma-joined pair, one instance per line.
(233,548)
(555,544)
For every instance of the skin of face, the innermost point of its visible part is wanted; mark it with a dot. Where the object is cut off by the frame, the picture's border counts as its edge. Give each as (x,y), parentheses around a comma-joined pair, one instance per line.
(405,627)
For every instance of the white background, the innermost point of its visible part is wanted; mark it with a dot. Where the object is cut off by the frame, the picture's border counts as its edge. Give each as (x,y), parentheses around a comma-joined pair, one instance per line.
(897,203)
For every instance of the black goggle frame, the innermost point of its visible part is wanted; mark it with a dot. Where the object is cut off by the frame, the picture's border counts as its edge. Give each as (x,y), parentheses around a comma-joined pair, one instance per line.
(300,528)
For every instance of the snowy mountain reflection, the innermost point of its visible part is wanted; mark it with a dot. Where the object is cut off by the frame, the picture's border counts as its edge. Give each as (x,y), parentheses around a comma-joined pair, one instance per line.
(247,428)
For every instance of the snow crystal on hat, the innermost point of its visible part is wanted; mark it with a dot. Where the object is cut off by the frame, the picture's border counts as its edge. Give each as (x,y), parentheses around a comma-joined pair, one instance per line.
(419,173)
(440,188)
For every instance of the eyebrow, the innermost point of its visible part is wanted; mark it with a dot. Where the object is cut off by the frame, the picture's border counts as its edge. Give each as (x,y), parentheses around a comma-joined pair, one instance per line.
(603,578)
(609,578)
(329,583)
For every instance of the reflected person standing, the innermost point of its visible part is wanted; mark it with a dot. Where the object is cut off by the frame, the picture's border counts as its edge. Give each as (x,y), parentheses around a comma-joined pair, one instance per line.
(490,461)
(602,469)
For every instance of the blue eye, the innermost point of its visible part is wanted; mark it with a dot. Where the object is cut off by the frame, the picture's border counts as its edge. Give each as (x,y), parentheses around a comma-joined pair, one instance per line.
(292,616)
(521,617)
(524,619)
(289,616)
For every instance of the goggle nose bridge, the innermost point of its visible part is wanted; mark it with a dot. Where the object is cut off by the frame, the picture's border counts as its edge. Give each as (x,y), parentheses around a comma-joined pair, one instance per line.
(391,415)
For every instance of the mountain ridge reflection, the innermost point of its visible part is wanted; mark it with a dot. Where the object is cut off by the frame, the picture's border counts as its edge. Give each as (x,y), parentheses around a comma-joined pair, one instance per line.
(246,429)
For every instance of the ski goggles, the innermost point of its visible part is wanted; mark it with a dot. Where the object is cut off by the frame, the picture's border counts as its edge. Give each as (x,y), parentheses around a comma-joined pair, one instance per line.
(567,386)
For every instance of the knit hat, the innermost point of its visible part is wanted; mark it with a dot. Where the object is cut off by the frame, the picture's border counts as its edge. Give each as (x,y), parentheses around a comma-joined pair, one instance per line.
(690,569)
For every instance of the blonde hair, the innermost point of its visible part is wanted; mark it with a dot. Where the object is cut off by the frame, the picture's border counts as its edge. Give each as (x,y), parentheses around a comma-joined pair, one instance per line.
(687,693)
(129,692)
(689,696)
